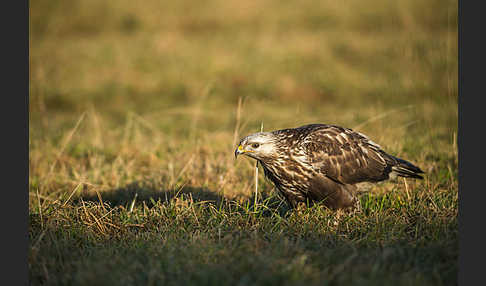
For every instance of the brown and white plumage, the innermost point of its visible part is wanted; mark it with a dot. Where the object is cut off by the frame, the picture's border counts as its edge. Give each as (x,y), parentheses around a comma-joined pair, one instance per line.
(321,162)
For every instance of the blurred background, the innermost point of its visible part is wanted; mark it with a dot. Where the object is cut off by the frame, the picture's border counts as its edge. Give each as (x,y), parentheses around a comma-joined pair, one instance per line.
(136,109)
(120,90)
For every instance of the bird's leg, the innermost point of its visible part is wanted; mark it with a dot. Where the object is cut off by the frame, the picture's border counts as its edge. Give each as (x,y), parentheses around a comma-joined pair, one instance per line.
(354,208)
(293,203)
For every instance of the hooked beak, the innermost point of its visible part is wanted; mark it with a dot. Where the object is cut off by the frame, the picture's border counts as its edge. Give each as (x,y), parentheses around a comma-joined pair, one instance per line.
(239,151)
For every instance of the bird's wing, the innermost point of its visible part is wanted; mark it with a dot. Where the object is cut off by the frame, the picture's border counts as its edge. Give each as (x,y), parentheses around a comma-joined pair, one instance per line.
(346,156)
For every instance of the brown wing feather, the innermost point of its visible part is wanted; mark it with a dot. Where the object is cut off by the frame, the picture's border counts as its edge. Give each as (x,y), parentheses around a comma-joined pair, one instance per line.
(346,156)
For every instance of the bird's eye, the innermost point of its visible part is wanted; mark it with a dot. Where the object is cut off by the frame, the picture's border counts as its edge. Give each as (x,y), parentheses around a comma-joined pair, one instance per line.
(255,145)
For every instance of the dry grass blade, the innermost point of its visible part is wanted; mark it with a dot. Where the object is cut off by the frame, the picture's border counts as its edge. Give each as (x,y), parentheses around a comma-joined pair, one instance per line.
(406,189)
(100,199)
(72,193)
(64,145)
(256,175)
(174,179)
(380,116)
(39,208)
(98,223)
(133,203)
(145,123)
(43,197)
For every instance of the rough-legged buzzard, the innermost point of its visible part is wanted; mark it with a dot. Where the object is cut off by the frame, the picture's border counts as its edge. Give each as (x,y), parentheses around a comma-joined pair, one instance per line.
(320,162)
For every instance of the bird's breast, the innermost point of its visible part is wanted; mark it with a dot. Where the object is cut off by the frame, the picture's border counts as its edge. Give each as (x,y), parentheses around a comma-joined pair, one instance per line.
(288,174)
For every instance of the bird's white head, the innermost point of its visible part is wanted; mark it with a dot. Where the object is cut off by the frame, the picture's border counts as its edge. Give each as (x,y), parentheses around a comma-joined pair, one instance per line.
(259,145)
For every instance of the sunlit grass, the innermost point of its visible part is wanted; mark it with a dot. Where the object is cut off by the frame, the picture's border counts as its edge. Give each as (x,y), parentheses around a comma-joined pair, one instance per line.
(133,119)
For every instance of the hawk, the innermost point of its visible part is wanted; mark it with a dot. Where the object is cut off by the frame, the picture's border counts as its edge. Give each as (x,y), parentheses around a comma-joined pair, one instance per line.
(322,162)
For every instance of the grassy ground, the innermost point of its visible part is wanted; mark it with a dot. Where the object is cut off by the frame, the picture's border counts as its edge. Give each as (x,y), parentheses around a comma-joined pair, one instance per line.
(135,111)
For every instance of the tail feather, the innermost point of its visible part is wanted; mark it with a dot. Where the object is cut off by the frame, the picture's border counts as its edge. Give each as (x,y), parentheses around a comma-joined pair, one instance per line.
(406,169)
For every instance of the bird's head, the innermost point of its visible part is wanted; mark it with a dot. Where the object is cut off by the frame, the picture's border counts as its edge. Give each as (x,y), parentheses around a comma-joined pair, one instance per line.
(259,146)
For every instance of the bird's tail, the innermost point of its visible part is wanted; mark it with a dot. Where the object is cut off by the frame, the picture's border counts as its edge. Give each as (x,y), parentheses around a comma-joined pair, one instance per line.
(406,169)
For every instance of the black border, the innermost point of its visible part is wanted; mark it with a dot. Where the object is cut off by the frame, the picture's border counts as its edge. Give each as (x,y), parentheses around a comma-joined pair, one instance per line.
(470,143)
(15,89)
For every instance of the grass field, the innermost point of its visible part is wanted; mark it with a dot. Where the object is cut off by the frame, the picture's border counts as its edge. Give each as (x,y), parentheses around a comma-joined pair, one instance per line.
(135,111)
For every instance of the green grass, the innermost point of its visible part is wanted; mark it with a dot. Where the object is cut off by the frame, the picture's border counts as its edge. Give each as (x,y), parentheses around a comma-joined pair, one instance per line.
(134,115)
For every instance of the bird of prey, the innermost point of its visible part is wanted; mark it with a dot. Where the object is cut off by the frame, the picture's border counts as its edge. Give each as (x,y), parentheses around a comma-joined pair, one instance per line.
(322,162)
